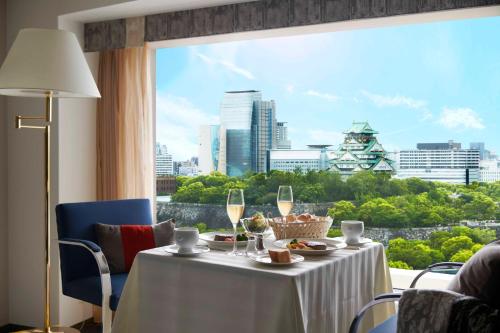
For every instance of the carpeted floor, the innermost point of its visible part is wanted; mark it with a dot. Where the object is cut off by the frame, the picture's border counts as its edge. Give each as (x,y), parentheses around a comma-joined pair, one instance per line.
(85,327)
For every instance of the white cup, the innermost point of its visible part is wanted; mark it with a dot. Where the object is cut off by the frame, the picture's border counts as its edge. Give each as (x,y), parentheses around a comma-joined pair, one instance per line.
(186,238)
(352,231)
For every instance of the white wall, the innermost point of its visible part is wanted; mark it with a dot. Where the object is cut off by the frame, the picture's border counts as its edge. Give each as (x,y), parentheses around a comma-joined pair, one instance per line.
(4,314)
(25,176)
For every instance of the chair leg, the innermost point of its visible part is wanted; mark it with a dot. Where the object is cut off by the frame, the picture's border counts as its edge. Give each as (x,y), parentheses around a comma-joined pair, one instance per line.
(107,314)
(96,314)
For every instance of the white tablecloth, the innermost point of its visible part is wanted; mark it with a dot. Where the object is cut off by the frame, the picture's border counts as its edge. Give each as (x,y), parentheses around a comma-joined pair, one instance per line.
(220,293)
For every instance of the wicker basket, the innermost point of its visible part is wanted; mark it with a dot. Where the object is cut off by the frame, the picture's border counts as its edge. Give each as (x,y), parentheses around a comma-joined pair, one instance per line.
(313,229)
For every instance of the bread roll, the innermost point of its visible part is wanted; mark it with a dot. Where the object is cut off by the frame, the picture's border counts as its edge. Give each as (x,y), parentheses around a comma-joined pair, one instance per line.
(280,255)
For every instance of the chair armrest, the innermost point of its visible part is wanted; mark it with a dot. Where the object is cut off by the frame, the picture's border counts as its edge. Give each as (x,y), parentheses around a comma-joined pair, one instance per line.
(434,268)
(91,245)
(93,248)
(379,299)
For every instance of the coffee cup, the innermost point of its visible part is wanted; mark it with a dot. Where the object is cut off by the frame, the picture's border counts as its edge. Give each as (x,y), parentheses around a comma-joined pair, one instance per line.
(352,231)
(186,238)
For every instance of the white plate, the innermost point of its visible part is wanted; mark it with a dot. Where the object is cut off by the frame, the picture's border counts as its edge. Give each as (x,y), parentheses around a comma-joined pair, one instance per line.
(362,240)
(208,237)
(266,260)
(197,250)
(331,245)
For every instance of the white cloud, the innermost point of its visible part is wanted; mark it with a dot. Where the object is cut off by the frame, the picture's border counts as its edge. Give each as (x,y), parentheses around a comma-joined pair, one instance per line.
(319,136)
(327,96)
(177,124)
(232,67)
(397,100)
(460,118)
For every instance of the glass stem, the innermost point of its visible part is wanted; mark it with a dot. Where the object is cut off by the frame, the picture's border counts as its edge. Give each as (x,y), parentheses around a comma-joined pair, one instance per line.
(234,238)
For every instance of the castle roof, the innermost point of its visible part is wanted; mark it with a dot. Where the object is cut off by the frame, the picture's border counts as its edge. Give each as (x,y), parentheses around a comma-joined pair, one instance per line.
(361,127)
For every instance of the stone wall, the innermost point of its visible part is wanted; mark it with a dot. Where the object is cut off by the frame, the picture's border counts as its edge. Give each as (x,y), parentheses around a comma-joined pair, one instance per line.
(215,216)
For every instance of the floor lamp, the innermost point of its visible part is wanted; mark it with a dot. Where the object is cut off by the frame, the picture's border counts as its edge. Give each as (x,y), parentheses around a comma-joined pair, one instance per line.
(48,64)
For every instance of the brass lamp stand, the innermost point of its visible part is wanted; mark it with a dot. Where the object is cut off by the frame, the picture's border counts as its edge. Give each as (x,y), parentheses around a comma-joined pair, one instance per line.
(46,63)
(46,127)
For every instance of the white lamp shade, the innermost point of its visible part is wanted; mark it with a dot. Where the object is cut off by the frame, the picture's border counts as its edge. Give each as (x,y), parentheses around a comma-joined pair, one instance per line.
(44,60)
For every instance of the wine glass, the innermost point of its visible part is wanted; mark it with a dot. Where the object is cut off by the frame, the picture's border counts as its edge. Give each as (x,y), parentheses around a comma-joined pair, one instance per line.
(285,202)
(235,207)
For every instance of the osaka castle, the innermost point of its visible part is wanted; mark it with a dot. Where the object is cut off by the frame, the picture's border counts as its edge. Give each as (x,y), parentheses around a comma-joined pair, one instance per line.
(360,151)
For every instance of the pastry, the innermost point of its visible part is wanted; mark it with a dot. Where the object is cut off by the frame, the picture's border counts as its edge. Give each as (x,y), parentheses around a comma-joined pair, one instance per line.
(316,245)
(280,256)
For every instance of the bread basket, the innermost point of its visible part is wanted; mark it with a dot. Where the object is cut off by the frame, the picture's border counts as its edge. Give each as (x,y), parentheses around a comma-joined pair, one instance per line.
(297,229)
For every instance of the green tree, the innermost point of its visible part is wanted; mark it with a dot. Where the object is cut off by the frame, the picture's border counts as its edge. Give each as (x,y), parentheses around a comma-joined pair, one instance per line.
(380,213)
(415,253)
(476,247)
(461,256)
(455,244)
(437,238)
(342,210)
(399,264)
(481,207)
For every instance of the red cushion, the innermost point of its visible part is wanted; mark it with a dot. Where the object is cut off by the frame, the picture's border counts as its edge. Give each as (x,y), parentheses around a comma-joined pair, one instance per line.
(135,238)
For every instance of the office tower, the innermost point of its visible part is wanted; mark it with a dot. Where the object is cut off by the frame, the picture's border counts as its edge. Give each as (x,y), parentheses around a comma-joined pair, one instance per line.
(236,112)
(164,163)
(479,146)
(489,171)
(282,141)
(361,151)
(442,162)
(263,133)
(211,149)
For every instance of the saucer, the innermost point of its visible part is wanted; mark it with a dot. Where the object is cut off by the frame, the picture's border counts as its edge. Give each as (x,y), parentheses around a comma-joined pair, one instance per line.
(197,250)
(362,240)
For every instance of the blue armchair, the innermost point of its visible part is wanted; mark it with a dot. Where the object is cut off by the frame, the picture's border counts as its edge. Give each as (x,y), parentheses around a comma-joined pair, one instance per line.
(84,270)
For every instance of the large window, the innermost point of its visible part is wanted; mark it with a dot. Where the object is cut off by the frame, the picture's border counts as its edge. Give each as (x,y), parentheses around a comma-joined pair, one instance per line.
(397,127)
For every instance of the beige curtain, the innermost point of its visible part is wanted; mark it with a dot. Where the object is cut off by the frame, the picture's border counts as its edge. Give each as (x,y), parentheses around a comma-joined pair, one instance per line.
(125,158)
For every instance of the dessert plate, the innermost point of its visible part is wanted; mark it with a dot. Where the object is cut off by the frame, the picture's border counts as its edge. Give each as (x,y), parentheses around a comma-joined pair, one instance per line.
(197,250)
(331,246)
(266,260)
(208,237)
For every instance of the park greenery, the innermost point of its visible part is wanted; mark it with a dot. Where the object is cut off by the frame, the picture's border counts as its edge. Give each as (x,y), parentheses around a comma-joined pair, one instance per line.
(375,198)
(457,245)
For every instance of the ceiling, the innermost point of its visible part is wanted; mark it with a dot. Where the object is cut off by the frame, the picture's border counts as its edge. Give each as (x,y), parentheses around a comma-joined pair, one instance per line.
(142,7)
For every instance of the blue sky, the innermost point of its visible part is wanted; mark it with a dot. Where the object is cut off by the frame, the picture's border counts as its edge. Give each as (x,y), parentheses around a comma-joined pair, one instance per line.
(416,83)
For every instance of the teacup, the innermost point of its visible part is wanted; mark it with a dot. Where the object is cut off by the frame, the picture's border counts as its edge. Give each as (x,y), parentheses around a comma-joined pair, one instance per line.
(352,231)
(186,238)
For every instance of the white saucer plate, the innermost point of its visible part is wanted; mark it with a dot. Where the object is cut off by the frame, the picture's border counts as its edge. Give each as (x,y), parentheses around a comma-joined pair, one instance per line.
(266,260)
(331,246)
(197,250)
(362,241)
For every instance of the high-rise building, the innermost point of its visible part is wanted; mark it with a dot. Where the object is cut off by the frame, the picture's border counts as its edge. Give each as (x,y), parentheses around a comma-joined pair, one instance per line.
(164,163)
(263,133)
(440,162)
(483,153)
(361,151)
(236,112)
(212,149)
(282,141)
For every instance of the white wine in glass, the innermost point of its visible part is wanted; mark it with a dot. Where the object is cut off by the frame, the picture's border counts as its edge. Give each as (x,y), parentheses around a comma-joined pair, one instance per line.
(235,207)
(285,200)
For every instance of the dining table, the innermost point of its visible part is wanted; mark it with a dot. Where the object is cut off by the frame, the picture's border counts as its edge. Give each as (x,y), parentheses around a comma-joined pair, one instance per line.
(217,293)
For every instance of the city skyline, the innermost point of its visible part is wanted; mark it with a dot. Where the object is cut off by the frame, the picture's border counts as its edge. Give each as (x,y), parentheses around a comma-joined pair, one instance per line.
(416,83)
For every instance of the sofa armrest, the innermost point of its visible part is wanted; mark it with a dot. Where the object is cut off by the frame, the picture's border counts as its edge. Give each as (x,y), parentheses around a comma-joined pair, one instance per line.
(382,298)
(436,268)
(93,248)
